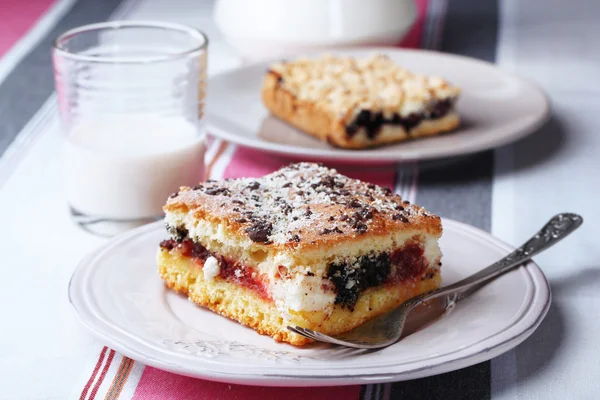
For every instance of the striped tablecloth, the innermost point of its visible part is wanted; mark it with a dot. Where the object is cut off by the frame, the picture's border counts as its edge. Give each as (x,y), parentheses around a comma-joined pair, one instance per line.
(46,354)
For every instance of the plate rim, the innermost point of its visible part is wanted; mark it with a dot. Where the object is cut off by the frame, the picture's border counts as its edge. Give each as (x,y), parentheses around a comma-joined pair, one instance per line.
(367,156)
(141,351)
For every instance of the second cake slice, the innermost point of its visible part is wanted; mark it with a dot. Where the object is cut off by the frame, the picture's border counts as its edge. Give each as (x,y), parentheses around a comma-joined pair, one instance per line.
(359,103)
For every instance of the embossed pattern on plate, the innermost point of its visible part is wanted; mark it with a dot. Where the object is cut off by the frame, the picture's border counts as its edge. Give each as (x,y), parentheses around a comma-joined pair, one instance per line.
(118,295)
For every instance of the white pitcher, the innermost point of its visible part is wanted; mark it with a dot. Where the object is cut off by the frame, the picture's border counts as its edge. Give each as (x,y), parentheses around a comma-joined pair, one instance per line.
(261,29)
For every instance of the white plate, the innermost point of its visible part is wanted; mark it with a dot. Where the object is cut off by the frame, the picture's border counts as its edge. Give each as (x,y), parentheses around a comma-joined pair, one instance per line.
(118,295)
(497,108)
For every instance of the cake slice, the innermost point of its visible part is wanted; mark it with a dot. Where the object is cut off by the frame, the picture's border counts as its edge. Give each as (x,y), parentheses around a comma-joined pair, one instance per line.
(302,246)
(361,103)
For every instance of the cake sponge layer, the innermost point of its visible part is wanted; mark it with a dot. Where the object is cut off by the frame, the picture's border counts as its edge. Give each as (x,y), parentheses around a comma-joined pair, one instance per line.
(185,275)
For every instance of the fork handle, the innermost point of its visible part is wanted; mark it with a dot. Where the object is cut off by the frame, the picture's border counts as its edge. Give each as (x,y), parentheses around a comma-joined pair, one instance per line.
(559,227)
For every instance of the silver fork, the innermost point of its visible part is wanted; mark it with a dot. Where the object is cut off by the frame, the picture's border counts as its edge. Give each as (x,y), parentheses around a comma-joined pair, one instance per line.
(387,329)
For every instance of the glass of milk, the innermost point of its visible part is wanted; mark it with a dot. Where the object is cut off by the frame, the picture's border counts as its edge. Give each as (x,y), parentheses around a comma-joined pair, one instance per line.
(131,96)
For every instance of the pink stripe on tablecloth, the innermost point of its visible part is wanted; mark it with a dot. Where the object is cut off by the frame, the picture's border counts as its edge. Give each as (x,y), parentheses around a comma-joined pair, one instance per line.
(18,16)
(413,37)
(160,385)
(253,164)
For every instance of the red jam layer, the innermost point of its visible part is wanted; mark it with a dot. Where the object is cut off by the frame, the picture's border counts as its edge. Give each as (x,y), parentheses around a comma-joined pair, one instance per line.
(246,276)
(409,261)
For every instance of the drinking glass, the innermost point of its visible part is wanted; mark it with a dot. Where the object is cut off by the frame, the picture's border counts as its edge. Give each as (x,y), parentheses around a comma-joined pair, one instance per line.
(131,96)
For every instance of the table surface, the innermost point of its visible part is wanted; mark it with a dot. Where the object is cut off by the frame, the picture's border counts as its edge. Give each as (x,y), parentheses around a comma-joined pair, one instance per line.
(46,354)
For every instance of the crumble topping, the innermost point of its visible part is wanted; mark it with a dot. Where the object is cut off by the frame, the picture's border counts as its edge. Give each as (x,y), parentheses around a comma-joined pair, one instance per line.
(281,206)
(347,86)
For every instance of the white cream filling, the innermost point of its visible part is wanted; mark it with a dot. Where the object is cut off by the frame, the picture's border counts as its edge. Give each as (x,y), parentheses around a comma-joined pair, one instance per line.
(211,268)
(432,252)
(302,293)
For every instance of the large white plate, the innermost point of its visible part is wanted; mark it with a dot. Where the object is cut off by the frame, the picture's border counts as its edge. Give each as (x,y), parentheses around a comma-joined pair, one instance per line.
(496,106)
(118,295)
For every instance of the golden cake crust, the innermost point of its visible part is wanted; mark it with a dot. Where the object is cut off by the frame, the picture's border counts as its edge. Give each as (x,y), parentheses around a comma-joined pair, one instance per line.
(301,207)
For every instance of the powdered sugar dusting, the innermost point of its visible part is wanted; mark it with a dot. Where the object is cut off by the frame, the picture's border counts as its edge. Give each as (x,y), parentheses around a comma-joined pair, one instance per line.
(281,207)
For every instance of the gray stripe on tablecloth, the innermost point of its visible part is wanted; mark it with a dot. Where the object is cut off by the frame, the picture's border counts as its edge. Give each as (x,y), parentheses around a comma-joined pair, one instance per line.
(363,392)
(461,190)
(27,87)
(434,24)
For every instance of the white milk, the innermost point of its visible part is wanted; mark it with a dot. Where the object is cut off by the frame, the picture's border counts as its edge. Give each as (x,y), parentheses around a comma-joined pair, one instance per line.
(126,167)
